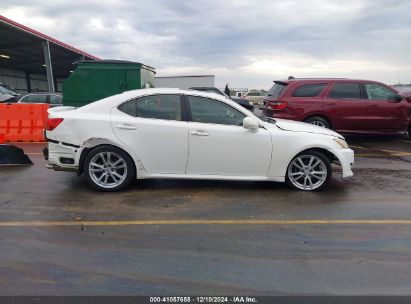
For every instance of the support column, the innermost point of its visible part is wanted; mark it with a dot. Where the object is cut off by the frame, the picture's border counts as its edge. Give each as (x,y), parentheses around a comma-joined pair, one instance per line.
(49,67)
(28,82)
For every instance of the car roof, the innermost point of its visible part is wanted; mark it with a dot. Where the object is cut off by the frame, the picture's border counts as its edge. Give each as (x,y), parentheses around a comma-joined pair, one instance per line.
(111,101)
(40,93)
(202,88)
(317,80)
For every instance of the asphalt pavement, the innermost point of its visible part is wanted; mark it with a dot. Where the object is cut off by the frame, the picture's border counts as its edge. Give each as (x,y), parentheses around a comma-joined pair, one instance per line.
(180,237)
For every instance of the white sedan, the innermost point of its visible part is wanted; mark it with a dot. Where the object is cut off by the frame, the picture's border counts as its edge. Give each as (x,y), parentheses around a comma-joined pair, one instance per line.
(171,133)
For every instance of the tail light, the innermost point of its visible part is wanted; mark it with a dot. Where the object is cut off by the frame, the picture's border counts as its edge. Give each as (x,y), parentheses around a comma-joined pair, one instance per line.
(53,123)
(277,105)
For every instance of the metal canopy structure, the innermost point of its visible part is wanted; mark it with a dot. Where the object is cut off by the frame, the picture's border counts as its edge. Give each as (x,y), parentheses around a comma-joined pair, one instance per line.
(25,49)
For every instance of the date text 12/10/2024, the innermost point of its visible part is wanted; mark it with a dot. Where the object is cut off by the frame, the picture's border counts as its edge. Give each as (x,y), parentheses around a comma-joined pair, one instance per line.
(203,299)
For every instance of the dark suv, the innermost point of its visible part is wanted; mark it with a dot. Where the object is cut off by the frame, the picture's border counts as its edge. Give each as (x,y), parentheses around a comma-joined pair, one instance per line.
(344,105)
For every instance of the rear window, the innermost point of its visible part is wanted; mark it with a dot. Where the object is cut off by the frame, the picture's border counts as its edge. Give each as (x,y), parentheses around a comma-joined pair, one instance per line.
(276,90)
(309,90)
(345,91)
(167,107)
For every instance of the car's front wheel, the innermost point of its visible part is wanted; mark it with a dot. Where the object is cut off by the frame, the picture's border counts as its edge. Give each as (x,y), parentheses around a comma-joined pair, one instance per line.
(309,171)
(109,168)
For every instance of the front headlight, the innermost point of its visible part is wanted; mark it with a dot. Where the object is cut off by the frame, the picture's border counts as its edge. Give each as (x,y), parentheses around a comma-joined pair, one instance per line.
(341,142)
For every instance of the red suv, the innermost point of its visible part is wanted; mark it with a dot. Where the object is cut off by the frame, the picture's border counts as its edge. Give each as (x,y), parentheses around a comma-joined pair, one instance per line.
(344,105)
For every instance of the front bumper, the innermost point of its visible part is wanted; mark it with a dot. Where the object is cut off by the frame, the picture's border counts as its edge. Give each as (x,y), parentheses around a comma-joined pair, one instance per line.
(346,159)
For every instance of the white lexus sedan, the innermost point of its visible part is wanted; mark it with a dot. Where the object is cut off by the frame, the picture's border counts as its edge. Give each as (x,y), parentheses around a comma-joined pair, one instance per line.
(172,133)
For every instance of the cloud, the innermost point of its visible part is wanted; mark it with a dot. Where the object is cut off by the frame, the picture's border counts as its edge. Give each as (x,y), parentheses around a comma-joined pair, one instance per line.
(243,42)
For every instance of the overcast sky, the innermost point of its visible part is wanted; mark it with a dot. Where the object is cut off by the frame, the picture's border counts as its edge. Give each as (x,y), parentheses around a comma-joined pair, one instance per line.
(244,43)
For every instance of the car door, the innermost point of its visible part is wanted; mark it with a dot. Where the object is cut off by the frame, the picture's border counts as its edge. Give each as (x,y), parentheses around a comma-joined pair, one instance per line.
(155,128)
(346,106)
(220,145)
(383,110)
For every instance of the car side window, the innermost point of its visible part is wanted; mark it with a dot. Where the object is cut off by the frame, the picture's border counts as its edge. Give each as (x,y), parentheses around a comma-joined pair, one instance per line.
(166,107)
(309,90)
(345,91)
(36,98)
(376,91)
(55,99)
(207,110)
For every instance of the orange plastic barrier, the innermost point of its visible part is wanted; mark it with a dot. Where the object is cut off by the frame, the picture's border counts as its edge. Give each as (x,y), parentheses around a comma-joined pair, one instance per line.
(23,122)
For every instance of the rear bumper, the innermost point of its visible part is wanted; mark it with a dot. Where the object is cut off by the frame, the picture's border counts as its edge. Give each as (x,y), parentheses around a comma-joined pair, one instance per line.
(267,112)
(59,168)
(61,157)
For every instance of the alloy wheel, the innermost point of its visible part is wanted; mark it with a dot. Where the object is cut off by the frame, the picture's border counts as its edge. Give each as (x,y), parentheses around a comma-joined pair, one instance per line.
(307,172)
(318,123)
(107,169)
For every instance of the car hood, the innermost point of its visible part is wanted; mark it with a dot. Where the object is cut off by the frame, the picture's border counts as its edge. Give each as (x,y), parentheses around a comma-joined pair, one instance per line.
(297,126)
(7,97)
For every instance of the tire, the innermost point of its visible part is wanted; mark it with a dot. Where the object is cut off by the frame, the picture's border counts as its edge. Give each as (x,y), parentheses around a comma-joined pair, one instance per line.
(318,121)
(109,168)
(302,177)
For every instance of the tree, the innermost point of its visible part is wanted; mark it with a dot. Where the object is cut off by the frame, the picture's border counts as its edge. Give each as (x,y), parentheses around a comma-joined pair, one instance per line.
(227,90)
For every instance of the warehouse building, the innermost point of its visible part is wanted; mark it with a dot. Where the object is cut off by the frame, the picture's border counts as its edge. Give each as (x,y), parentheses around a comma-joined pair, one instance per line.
(32,61)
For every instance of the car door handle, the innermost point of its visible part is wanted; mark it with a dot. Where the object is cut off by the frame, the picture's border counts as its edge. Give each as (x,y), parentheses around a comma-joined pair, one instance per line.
(199,133)
(126,127)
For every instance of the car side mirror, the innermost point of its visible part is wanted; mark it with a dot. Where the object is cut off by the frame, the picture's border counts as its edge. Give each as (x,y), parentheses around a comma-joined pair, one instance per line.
(250,124)
(396,98)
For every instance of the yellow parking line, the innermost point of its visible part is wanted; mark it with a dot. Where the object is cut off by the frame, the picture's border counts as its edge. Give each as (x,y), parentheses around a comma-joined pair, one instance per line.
(357,147)
(205,222)
(369,155)
(391,152)
(382,155)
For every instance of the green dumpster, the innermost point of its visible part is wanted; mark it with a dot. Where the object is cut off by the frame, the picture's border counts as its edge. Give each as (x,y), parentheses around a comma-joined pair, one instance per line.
(94,80)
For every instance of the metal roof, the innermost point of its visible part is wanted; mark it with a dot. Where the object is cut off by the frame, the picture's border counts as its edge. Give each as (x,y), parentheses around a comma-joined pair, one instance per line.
(23,46)
(118,62)
(185,76)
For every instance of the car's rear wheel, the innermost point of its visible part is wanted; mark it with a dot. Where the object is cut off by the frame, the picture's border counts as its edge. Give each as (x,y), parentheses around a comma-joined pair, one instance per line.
(318,121)
(109,168)
(309,171)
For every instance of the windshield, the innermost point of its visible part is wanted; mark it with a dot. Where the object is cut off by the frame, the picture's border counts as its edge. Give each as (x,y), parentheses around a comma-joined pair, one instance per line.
(5,89)
(276,90)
